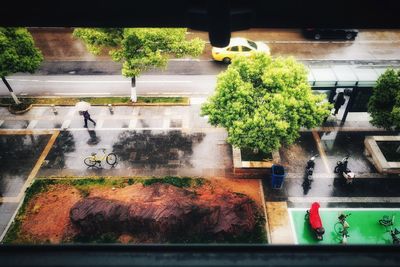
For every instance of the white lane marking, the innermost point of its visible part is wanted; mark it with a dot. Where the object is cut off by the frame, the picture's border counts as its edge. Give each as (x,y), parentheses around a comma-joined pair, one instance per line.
(99,124)
(65,124)
(32,124)
(345,199)
(166,123)
(343,209)
(132,124)
(97,81)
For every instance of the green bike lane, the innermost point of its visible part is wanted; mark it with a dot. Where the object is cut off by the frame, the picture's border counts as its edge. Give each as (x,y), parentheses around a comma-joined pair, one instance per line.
(364,225)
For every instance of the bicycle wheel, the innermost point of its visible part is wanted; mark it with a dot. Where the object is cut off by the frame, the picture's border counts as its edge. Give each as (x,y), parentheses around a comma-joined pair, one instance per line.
(386,221)
(111,159)
(89,161)
(338,228)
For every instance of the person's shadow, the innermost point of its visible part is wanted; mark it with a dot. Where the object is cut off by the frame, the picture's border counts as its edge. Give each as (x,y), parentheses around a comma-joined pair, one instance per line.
(93,140)
(306,185)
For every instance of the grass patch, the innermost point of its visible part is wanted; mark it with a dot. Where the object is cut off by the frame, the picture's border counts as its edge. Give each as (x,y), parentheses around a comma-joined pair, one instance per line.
(175,181)
(71,101)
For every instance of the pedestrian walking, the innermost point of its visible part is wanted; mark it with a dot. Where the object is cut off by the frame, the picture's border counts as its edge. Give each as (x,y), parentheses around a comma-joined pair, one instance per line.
(340,100)
(86,117)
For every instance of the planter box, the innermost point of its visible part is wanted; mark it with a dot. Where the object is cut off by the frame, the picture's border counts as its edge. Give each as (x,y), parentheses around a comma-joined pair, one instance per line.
(376,156)
(252,168)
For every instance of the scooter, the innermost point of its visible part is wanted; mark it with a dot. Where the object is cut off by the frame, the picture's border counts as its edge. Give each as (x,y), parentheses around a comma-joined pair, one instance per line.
(310,168)
(342,169)
(315,220)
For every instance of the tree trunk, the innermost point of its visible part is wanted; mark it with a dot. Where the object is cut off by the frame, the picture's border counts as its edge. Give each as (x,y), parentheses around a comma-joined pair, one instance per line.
(133,90)
(16,100)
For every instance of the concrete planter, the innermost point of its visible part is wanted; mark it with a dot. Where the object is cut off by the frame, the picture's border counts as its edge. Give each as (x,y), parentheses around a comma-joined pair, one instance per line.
(375,155)
(252,168)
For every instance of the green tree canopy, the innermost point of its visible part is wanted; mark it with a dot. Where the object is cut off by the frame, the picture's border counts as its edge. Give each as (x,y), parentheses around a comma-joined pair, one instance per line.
(140,48)
(263,102)
(18,52)
(384,104)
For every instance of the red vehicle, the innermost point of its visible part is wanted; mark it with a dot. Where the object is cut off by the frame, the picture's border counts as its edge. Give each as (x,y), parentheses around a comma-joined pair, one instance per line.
(315,220)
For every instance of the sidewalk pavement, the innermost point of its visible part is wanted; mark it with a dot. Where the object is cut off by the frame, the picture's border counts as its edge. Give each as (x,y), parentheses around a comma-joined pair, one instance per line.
(160,141)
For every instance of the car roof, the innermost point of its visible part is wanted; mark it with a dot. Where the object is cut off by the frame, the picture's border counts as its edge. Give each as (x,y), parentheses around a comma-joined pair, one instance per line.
(238,41)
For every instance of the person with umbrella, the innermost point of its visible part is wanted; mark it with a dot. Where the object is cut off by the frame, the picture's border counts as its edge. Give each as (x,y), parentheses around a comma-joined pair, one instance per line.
(83,108)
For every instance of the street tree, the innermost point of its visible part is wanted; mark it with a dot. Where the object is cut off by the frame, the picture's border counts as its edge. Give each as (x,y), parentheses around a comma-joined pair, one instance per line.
(263,102)
(384,104)
(17,54)
(140,49)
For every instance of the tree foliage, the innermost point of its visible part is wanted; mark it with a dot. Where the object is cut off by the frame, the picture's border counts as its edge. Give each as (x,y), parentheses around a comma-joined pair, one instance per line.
(384,104)
(263,102)
(18,52)
(140,48)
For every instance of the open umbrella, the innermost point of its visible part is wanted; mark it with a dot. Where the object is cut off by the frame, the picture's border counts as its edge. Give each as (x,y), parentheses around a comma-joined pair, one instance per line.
(82,106)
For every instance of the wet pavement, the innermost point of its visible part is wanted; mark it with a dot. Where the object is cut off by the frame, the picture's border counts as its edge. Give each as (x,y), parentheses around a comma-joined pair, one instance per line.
(140,153)
(18,155)
(59,44)
(369,189)
(176,140)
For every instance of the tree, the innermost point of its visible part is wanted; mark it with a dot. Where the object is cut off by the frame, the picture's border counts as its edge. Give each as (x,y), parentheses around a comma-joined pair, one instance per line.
(17,54)
(263,102)
(384,104)
(140,49)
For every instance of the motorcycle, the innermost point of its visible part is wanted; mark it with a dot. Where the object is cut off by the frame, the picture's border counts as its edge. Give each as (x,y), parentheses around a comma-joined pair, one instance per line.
(343,170)
(315,221)
(310,168)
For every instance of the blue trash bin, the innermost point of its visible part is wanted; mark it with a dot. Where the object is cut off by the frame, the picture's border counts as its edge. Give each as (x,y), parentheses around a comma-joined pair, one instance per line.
(278,176)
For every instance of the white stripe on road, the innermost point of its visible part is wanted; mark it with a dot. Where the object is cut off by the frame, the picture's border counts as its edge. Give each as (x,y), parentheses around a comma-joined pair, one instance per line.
(345,199)
(96,81)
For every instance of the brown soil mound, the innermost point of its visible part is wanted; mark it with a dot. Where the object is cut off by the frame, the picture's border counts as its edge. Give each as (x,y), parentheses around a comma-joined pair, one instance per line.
(48,215)
(165,212)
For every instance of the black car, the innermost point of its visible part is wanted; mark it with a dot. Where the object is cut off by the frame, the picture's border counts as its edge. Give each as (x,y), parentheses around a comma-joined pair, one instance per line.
(318,34)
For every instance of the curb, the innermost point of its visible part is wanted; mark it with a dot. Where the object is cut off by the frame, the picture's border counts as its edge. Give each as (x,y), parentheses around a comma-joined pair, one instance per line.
(101,105)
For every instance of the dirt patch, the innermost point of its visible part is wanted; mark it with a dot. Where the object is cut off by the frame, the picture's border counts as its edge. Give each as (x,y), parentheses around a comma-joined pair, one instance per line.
(249,187)
(203,211)
(47,215)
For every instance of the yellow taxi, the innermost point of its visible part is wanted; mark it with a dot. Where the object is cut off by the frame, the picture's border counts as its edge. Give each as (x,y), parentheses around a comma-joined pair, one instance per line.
(238,46)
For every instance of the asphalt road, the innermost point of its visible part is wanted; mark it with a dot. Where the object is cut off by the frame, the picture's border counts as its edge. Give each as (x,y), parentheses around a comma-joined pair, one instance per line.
(59,44)
(111,85)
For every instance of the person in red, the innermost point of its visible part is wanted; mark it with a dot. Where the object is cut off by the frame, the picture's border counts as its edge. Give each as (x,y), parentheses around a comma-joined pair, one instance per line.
(315,220)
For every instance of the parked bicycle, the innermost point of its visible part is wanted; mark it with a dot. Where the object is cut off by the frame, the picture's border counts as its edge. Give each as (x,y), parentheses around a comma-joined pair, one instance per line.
(388,222)
(341,227)
(96,159)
